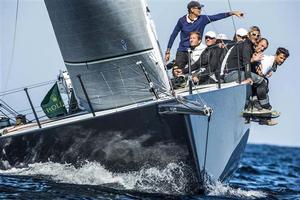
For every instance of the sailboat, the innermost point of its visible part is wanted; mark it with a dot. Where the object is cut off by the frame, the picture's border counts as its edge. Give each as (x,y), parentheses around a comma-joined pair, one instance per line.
(133,118)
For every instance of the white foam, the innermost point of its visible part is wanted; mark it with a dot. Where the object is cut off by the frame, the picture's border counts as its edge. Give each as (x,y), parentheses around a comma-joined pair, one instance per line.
(171,179)
(219,189)
(168,180)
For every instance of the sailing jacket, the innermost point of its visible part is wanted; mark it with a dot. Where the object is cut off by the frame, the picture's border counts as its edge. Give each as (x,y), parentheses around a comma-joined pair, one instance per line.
(209,62)
(240,57)
(185,26)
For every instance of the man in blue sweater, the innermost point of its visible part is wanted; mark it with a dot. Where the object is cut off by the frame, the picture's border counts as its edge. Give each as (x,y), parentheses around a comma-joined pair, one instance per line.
(191,22)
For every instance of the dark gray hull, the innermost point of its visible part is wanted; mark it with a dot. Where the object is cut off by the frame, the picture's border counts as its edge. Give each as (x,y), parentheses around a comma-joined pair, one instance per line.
(122,142)
(140,137)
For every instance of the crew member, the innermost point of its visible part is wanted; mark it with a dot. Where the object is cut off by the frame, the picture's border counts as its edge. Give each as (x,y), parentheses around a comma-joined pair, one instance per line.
(191,22)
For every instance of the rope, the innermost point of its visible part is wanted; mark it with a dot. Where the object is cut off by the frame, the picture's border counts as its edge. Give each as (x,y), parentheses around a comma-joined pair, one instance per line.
(13,47)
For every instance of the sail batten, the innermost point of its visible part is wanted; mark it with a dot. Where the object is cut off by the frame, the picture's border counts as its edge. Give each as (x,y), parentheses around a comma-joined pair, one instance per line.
(110,58)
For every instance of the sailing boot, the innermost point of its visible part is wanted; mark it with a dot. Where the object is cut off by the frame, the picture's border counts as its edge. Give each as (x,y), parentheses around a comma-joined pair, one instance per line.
(258,109)
(268,122)
(274,113)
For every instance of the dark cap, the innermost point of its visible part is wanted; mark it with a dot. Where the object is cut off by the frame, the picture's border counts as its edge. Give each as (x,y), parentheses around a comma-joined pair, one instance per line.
(194,4)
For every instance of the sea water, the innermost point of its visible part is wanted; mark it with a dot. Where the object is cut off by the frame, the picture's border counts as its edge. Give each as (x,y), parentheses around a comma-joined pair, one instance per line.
(266,172)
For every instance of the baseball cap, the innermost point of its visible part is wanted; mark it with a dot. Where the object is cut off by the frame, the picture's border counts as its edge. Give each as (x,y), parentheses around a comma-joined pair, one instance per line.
(211,34)
(242,32)
(222,36)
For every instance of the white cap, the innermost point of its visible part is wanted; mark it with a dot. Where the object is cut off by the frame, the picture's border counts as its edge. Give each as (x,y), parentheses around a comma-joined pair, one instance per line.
(222,36)
(242,32)
(211,34)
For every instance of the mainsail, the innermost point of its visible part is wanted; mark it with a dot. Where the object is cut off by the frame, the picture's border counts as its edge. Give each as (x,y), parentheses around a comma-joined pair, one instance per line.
(103,40)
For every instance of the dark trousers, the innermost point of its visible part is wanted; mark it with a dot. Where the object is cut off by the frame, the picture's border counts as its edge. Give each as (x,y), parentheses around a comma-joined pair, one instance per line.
(181,59)
(261,91)
(259,88)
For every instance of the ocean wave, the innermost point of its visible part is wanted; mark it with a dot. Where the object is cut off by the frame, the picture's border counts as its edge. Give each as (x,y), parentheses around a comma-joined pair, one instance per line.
(219,189)
(171,180)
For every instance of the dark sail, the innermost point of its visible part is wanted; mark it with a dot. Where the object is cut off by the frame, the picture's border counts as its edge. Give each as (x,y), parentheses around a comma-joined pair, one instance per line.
(102,41)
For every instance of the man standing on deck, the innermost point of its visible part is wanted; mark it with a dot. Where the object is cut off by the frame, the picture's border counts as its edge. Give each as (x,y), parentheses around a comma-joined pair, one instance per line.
(191,22)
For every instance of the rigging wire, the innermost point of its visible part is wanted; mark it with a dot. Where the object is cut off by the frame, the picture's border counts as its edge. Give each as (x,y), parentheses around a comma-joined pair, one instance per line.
(233,22)
(237,50)
(6,106)
(13,47)
(210,22)
(232,19)
(214,28)
(28,87)
(4,114)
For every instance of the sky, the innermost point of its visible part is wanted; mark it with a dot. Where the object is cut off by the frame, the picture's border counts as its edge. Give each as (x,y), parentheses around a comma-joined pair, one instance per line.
(37,58)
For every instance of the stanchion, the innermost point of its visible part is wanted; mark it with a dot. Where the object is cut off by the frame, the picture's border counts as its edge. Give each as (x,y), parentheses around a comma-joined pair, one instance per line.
(33,110)
(85,94)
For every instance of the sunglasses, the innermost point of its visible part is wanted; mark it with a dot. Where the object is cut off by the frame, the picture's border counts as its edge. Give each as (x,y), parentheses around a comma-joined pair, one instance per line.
(243,37)
(199,8)
(255,35)
(210,38)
